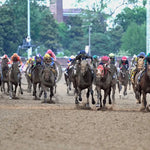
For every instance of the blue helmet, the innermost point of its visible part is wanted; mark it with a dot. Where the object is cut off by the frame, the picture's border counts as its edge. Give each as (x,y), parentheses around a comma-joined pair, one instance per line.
(142,54)
(82,52)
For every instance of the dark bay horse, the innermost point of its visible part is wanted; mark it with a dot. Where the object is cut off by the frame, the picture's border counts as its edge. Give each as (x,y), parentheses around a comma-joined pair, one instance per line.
(83,80)
(103,81)
(123,78)
(47,82)
(69,78)
(14,80)
(36,79)
(142,87)
(5,75)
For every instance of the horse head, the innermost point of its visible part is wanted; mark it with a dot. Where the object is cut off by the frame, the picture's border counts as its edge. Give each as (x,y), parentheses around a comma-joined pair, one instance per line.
(15,72)
(100,71)
(84,66)
(48,73)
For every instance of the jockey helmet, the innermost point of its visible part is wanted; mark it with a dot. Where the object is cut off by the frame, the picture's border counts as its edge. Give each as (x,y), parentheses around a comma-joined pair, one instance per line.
(15,55)
(49,51)
(5,56)
(95,56)
(134,56)
(111,55)
(47,56)
(142,54)
(38,55)
(72,57)
(105,58)
(124,58)
(82,52)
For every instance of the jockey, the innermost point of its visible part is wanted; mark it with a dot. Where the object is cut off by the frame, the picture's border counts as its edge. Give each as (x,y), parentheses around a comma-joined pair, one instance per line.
(5,61)
(134,61)
(72,57)
(38,59)
(112,58)
(104,61)
(51,53)
(139,65)
(15,58)
(82,55)
(48,60)
(113,68)
(95,60)
(124,63)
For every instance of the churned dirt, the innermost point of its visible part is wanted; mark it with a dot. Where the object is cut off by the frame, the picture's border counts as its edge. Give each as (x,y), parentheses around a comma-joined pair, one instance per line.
(27,124)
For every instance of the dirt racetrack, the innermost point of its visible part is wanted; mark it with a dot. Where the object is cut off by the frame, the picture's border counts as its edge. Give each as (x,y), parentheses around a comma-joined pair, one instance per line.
(27,124)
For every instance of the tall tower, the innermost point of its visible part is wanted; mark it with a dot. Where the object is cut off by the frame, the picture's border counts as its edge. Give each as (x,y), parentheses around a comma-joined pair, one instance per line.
(56,7)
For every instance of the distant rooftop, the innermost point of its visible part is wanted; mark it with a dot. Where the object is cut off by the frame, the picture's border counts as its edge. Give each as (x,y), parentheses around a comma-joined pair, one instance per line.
(72,11)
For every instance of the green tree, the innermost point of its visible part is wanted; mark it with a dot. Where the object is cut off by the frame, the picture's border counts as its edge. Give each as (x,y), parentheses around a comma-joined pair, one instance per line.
(49,32)
(134,39)
(128,15)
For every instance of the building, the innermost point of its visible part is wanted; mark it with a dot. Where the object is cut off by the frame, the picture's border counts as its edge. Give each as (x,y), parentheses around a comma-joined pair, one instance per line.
(60,14)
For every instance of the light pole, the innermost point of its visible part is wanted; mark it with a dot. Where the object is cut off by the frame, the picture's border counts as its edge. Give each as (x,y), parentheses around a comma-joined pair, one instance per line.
(90,39)
(28,40)
(148,28)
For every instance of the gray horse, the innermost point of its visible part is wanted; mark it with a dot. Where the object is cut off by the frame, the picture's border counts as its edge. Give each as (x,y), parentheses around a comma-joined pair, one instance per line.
(47,82)
(14,80)
(5,75)
(83,80)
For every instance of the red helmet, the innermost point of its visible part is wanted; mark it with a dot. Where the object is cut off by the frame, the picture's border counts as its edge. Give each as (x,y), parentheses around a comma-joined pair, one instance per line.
(124,58)
(5,56)
(105,58)
(49,51)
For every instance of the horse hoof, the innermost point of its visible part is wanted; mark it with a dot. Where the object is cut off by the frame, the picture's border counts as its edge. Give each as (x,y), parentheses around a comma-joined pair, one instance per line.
(142,108)
(10,97)
(97,105)
(138,102)
(80,99)
(76,102)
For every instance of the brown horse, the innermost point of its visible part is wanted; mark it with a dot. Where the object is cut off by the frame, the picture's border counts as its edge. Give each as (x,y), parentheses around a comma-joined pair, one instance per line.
(83,80)
(14,80)
(36,79)
(69,78)
(103,81)
(47,81)
(5,75)
(142,87)
(123,78)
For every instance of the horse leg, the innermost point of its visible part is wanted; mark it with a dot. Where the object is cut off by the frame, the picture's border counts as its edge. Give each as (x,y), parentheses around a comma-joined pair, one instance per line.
(125,90)
(51,94)
(79,93)
(113,93)
(98,97)
(144,102)
(105,96)
(109,94)
(76,96)
(7,87)
(87,96)
(45,96)
(92,94)
(16,85)
(20,87)
(34,90)
(11,90)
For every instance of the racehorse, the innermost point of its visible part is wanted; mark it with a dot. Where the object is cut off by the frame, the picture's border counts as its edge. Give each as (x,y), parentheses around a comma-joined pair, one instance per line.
(14,80)
(142,87)
(47,81)
(83,79)
(69,78)
(5,75)
(103,80)
(36,79)
(28,77)
(123,78)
